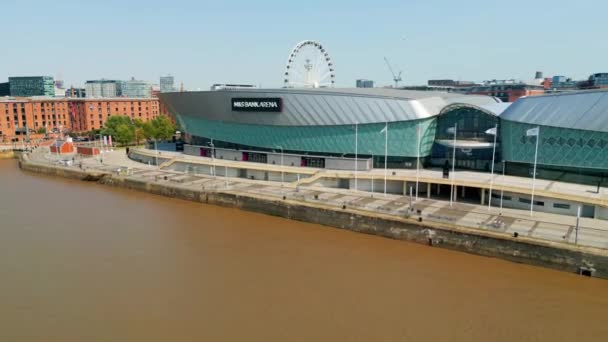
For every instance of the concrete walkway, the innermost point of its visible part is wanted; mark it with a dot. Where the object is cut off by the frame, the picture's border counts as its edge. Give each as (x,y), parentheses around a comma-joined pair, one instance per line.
(542,226)
(545,188)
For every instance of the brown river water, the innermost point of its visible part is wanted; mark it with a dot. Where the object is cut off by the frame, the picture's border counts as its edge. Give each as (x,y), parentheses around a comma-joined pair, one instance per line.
(85,262)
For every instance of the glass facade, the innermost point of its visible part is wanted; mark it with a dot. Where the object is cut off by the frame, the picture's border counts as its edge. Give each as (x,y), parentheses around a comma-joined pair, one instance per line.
(563,153)
(103,88)
(319,140)
(474,146)
(599,80)
(5,89)
(472,124)
(134,88)
(167,84)
(365,84)
(32,86)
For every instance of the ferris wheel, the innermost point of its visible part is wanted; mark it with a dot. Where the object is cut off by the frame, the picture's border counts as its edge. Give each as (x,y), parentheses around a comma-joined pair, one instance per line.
(309,66)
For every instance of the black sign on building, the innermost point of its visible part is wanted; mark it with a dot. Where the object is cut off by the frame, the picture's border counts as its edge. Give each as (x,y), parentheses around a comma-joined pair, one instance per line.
(257,104)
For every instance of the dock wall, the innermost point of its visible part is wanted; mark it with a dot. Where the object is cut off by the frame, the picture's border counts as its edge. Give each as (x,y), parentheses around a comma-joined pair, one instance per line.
(560,256)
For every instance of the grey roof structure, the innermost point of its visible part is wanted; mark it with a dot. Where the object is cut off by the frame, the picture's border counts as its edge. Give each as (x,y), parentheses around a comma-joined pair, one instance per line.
(585,110)
(322,107)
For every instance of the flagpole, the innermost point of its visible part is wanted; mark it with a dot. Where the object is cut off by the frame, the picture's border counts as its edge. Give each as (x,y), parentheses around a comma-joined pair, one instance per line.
(418,161)
(453,165)
(356,154)
(534,172)
(502,188)
(385,154)
(492,176)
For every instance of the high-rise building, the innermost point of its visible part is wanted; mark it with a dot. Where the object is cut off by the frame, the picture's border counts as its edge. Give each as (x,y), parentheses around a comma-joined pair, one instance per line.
(167,84)
(365,83)
(103,88)
(5,89)
(599,80)
(134,89)
(32,86)
(75,92)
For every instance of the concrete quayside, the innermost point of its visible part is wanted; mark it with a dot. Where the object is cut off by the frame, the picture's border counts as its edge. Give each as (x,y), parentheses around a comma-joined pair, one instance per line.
(427,221)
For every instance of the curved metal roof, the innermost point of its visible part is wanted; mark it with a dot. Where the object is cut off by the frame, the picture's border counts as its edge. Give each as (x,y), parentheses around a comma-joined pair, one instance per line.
(321,107)
(586,110)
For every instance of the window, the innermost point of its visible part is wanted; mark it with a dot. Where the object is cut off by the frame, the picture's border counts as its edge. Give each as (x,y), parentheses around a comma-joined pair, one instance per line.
(561,206)
(524,200)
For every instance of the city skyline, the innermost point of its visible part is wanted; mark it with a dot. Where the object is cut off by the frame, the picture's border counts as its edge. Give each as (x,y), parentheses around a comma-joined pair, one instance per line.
(204,44)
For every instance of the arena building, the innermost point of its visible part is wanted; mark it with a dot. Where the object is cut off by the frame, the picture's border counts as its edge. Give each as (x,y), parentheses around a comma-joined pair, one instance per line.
(318,124)
(573,136)
(327,122)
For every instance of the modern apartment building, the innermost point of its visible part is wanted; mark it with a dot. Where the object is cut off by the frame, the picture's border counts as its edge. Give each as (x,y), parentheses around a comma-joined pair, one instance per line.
(136,89)
(32,86)
(167,84)
(365,83)
(103,88)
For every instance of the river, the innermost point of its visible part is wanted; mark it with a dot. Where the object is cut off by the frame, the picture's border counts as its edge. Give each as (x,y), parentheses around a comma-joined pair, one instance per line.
(85,262)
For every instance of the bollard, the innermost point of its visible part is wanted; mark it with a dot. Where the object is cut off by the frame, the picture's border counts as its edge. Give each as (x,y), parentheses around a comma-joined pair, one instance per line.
(516,234)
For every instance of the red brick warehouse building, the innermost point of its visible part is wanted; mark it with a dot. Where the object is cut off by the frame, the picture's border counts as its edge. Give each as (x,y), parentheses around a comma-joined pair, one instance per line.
(89,114)
(67,114)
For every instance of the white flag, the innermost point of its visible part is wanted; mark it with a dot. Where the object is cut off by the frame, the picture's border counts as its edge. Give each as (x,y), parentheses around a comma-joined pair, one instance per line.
(491,131)
(384,129)
(532,132)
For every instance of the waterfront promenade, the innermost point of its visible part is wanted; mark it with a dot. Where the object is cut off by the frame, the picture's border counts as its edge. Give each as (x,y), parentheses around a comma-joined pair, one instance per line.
(542,226)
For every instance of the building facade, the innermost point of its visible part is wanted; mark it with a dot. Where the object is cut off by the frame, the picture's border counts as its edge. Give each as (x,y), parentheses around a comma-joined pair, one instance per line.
(325,122)
(5,89)
(136,89)
(91,114)
(32,86)
(167,84)
(76,92)
(365,84)
(20,116)
(507,92)
(599,80)
(572,138)
(103,88)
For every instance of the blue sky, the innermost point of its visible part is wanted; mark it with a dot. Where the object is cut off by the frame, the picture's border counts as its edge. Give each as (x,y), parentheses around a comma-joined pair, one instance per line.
(238,41)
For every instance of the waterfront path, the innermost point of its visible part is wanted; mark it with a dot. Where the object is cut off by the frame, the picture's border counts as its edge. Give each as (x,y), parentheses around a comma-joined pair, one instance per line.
(589,194)
(542,226)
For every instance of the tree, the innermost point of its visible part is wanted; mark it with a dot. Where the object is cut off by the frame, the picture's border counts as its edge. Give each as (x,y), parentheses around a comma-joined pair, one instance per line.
(112,124)
(124,133)
(139,130)
(162,128)
(41,130)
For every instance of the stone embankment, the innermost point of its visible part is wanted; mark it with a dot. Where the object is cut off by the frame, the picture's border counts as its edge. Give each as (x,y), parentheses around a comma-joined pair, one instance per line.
(7,154)
(561,256)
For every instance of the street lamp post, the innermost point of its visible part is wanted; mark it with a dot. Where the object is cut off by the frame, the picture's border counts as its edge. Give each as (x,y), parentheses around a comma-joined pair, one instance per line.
(282,171)
(356,154)
(156,154)
(212,158)
(452,192)
(372,171)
